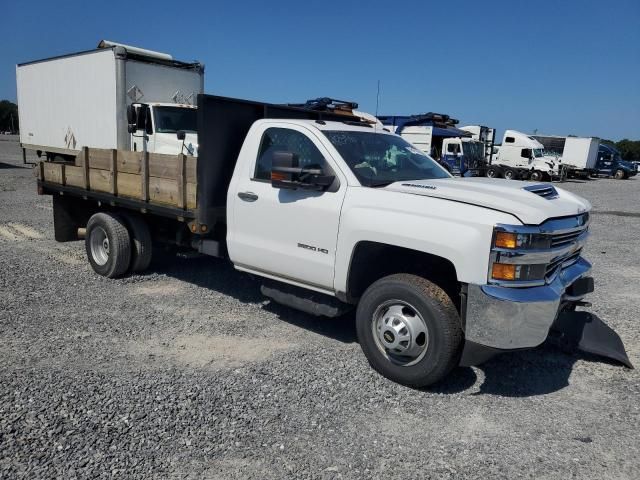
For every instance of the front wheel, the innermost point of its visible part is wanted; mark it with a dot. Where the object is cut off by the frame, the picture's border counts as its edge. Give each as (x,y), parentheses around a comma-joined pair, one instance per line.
(409,330)
(619,175)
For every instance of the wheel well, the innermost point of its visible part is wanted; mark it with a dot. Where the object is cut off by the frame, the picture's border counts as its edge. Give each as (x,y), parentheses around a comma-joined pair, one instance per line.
(372,260)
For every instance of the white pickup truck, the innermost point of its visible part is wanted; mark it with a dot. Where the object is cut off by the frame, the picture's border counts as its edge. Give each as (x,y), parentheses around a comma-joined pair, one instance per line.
(334,214)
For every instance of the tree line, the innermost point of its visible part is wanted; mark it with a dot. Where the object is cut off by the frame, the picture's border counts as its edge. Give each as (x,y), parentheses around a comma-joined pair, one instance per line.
(8,116)
(629,149)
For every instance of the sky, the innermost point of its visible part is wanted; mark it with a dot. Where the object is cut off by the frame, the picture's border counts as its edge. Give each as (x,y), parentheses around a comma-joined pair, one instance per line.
(555,67)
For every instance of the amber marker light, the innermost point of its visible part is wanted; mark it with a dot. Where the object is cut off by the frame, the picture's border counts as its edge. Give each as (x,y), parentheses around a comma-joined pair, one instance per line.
(506,240)
(503,271)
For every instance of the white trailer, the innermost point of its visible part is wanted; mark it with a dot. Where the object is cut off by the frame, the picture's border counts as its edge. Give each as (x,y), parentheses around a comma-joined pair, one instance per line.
(80,100)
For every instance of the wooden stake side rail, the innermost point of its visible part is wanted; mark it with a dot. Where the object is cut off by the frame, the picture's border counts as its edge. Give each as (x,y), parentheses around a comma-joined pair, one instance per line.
(154,178)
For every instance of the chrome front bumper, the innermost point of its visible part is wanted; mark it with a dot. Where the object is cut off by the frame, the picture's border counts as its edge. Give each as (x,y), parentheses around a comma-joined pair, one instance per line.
(508,318)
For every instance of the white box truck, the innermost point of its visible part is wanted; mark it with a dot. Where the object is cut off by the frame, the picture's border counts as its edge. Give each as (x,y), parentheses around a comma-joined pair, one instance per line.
(578,155)
(80,100)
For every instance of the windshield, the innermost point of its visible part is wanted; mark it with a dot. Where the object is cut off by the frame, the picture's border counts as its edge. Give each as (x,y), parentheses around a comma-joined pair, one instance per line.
(538,152)
(172,119)
(378,159)
(473,150)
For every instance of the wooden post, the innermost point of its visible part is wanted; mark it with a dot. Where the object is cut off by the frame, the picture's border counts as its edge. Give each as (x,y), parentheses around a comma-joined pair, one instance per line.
(85,167)
(63,180)
(41,163)
(144,175)
(182,190)
(114,172)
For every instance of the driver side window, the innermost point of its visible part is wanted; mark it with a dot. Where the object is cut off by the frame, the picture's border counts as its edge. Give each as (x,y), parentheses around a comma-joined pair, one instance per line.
(286,140)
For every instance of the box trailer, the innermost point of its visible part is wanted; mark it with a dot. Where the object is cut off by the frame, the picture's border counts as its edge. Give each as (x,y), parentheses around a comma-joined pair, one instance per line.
(80,100)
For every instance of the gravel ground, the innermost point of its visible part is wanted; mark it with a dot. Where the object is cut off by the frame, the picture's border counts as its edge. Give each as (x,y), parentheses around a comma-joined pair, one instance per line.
(187,372)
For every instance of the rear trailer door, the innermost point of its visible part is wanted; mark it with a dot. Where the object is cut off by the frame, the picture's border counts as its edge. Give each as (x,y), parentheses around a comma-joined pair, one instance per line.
(290,234)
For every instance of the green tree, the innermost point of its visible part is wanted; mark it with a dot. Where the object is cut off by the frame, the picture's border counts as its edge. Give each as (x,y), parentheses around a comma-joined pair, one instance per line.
(629,149)
(8,116)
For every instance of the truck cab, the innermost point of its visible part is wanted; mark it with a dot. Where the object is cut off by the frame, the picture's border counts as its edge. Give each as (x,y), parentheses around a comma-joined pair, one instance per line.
(436,135)
(611,164)
(162,124)
(521,156)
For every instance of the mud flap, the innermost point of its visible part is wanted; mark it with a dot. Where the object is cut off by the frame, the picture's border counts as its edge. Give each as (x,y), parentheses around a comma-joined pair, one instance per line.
(584,331)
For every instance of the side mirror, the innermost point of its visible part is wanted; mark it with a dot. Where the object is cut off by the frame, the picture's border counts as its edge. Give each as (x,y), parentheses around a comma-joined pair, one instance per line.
(285,173)
(181,135)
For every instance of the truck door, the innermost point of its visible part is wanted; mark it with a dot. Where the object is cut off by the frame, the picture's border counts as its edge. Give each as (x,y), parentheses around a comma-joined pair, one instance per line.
(291,234)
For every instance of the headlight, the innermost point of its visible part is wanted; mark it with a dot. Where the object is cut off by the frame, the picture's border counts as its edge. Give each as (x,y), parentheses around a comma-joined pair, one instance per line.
(513,241)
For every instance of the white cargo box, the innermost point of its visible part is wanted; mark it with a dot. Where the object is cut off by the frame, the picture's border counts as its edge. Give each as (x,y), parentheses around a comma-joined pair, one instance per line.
(581,152)
(68,102)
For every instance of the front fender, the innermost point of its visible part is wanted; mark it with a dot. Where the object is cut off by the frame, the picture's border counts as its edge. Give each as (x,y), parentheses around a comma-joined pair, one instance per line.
(458,232)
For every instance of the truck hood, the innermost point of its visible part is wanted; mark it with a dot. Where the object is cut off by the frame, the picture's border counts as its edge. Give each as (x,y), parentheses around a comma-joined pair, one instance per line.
(507,196)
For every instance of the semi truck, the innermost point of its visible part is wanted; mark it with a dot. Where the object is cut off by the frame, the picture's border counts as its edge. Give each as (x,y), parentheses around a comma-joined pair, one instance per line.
(487,136)
(611,164)
(334,214)
(436,135)
(576,155)
(521,157)
(80,100)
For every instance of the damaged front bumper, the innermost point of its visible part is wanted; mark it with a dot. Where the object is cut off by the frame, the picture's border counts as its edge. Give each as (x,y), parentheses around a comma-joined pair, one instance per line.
(498,319)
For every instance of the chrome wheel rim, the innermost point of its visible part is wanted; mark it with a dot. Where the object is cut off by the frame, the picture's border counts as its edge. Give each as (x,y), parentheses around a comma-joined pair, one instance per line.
(491,173)
(99,245)
(400,332)
(508,175)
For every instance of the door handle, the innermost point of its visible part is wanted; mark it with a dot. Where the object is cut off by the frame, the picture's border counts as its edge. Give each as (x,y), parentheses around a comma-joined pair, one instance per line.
(248,196)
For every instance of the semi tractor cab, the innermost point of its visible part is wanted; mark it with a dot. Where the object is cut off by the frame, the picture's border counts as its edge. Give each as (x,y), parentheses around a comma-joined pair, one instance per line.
(521,157)
(169,128)
(487,136)
(611,164)
(436,135)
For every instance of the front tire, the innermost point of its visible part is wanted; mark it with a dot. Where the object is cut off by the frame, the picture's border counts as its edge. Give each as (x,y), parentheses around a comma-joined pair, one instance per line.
(108,245)
(409,330)
(619,175)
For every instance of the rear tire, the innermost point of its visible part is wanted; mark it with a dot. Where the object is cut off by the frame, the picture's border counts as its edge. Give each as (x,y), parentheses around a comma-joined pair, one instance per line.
(409,330)
(141,243)
(493,172)
(510,174)
(536,176)
(108,245)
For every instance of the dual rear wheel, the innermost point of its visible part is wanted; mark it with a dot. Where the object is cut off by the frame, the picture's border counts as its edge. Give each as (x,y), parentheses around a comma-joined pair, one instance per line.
(117,244)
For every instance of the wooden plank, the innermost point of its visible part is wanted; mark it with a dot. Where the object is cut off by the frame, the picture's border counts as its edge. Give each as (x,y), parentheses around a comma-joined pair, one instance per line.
(114,172)
(100,158)
(129,162)
(74,176)
(191,195)
(80,157)
(192,163)
(163,190)
(144,177)
(52,172)
(85,166)
(129,185)
(100,180)
(180,181)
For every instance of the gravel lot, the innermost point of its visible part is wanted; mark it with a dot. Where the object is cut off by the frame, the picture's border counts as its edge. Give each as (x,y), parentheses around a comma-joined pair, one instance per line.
(187,372)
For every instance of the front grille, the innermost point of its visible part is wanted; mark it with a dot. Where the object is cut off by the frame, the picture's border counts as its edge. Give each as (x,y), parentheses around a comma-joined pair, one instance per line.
(561,263)
(562,239)
(543,190)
